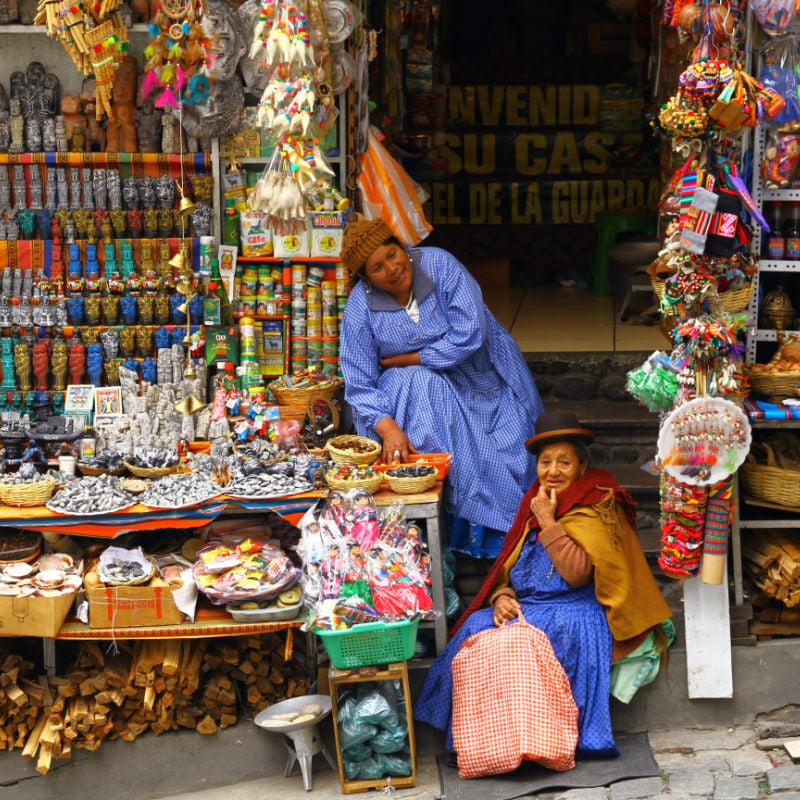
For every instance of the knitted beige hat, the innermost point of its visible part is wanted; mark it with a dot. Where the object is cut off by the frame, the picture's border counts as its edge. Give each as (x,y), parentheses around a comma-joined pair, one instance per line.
(361,238)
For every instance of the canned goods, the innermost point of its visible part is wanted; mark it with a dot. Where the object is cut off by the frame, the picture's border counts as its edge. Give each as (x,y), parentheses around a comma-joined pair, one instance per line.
(298,326)
(315,276)
(299,273)
(299,346)
(330,347)
(313,329)
(330,326)
(314,312)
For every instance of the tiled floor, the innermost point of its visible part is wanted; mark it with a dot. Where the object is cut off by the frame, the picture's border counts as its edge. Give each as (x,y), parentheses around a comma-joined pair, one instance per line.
(557,319)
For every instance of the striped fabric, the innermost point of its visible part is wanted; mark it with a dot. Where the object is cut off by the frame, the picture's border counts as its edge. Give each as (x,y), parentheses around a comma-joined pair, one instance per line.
(472,396)
(511,702)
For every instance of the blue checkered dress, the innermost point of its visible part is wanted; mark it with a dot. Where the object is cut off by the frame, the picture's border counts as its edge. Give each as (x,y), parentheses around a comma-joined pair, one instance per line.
(472,395)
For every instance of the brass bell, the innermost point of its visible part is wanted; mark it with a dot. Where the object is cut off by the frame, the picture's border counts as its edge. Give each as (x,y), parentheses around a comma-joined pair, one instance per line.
(186,206)
(190,371)
(190,404)
(178,261)
(183,308)
(187,340)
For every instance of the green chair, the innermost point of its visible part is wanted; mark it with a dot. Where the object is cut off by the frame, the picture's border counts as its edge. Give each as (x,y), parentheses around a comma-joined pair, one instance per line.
(607,228)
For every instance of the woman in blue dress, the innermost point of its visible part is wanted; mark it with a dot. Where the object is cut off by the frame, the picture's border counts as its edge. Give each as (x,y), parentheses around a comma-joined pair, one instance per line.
(573,565)
(428,369)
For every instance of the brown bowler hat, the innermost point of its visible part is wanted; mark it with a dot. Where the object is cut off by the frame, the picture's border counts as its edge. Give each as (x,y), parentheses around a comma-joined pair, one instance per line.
(557,426)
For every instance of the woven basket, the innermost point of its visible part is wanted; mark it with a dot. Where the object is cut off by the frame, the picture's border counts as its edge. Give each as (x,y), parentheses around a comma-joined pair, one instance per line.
(151,472)
(35,493)
(769,481)
(340,452)
(300,396)
(88,469)
(369,484)
(410,485)
(730,301)
(775,384)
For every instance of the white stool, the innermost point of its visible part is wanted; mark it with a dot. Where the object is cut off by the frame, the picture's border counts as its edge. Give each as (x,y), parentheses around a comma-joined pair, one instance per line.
(303,741)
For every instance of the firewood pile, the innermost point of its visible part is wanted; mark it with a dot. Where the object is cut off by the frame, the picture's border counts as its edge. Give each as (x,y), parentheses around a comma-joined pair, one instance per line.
(772,561)
(153,684)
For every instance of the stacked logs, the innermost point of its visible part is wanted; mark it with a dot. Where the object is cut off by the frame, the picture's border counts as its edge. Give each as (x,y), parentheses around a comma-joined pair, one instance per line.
(772,560)
(154,684)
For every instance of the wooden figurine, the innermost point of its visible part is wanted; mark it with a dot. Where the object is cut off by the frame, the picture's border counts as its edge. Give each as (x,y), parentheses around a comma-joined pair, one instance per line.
(72,112)
(121,126)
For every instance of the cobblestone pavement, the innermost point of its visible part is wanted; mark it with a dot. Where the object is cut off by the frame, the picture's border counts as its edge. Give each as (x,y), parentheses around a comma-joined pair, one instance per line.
(705,763)
(697,763)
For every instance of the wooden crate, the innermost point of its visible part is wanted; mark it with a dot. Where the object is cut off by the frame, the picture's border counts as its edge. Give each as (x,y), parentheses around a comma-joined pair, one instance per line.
(342,678)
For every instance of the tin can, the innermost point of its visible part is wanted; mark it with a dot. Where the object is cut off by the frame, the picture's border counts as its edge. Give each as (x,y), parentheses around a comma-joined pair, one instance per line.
(330,347)
(299,273)
(315,276)
(313,329)
(298,326)
(330,326)
(299,346)
(314,312)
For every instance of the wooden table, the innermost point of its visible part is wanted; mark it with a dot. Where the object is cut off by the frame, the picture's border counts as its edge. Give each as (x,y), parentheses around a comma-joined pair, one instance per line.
(422,506)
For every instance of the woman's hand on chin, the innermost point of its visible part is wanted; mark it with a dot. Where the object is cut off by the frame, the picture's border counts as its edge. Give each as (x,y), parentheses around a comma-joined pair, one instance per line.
(505,609)
(401,360)
(544,506)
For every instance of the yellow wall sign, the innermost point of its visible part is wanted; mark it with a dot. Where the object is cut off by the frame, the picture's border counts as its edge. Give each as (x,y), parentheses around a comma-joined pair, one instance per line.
(525,155)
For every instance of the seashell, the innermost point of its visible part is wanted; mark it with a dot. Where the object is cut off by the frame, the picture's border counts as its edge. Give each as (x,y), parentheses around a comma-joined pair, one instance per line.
(289,716)
(55,561)
(303,718)
(72,582)
(18,570)
(6,590)
(311,708)
(272,722)
(51,592)
(26,590)
(49,578)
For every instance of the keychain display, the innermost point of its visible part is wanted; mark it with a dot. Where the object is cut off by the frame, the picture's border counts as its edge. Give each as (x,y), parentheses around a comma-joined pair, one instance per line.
(703,441)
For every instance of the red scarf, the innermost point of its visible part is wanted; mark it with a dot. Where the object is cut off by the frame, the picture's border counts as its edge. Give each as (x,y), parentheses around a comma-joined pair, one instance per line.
(587,490)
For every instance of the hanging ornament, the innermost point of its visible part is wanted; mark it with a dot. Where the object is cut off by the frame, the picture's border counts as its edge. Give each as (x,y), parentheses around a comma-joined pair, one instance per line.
(179,57)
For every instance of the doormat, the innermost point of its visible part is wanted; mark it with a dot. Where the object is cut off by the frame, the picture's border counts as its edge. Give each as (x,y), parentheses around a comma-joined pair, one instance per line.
(635,761)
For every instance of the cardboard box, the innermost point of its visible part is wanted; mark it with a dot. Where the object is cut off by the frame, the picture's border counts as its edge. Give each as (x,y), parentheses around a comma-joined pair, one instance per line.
(293,245)
(132,607)
(327,230)
(34,616)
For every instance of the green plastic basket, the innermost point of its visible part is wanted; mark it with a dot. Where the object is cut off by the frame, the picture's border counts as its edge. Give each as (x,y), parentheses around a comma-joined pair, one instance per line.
(371,643)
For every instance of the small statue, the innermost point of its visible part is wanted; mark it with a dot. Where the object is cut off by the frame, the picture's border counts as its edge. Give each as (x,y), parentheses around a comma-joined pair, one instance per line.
(135,223)
(100,188)
(130,193)
(35,189)
(119,222)
(27,223)
(121,126)
(144,340)
(95,133)
(111,307)
(114,185)
(50,190)
(94,362)
(82,219)
(5,313)
(127,341)
(49,135)
(5,131)
(76,310)
(41,364)
(22,366)
(166,223)
(201,220)
(58,365)
(170,132)
(62,140)
(129,305)
(72,113)
(161,308)
(150,223)
(75,189)
(112,372)
(88,188)
(148,127)
(110,341)
(51,96)
(17,126)
(147,305)
(33,135)
(77,359)
(92,310)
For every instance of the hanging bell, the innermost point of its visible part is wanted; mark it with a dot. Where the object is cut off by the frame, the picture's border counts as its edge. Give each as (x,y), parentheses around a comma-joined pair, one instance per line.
(178,261)
(190,371)
(183,308)
(187,339)
(189,404)
(186,206)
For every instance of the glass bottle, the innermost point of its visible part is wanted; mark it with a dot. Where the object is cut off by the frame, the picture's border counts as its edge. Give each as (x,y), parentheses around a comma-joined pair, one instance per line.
(776,241)
(216,305)
(792,231)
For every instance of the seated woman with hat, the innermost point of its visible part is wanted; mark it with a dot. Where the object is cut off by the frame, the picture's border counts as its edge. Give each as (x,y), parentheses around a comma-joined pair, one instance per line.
(428,369)
(573,565)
